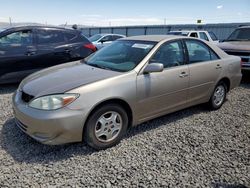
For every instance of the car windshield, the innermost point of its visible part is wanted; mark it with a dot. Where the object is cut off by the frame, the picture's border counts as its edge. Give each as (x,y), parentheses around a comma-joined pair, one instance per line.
(240,35)
(95,37)
(121,56)
(178,33)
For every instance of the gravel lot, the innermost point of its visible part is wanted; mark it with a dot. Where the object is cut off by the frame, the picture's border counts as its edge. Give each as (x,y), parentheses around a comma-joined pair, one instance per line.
(190,148)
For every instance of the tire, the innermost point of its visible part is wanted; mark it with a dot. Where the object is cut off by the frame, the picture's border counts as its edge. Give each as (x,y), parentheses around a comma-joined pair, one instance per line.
(218,96)
(106,126)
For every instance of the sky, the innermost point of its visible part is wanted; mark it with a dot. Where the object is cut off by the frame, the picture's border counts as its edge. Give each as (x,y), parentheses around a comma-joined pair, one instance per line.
(124,12)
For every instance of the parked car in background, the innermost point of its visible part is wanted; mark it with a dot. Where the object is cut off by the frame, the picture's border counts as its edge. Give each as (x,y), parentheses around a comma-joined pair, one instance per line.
(238,43)
(101,40)
(24,50)
(133,80)
(205,35)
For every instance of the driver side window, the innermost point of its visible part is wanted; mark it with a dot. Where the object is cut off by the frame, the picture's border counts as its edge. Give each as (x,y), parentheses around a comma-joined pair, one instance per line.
(169,54)
(107,38)
(17,39)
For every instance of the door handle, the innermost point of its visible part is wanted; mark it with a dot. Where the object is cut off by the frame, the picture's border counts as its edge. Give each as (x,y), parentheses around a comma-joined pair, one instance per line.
(30,53)
(67,51)
(183,74)
(218,66)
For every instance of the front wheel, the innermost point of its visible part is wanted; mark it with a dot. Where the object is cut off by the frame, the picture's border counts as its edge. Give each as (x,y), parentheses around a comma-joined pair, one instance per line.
(218,97)
(106,126)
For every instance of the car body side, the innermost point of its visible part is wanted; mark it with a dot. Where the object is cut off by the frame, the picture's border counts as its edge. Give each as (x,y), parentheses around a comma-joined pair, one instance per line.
(131,89)
(125,87)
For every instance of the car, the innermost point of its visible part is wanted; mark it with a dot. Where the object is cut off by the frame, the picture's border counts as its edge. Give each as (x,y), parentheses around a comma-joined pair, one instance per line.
(238,43)
(101,40)
(26,49)
(205,35)
(133,80)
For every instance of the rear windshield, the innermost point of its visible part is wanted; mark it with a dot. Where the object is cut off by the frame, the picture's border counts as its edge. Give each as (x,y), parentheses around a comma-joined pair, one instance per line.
(212,35)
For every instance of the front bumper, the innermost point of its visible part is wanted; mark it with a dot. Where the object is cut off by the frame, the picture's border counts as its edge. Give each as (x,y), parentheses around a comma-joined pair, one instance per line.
(49,127)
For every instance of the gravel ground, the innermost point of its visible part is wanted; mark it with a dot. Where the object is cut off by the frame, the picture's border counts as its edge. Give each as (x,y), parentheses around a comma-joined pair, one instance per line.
(190,148)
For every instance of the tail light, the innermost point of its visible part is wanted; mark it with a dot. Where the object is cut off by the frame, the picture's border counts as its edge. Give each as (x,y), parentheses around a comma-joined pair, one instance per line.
(90,46)
(241,62)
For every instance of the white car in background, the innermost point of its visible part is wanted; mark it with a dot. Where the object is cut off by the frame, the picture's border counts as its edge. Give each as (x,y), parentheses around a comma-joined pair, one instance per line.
(101,40)
(205,35)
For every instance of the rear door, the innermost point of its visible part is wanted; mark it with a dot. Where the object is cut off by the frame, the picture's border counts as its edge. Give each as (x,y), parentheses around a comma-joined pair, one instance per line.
(159,93)
(205,68)
(52,47)
(17,52)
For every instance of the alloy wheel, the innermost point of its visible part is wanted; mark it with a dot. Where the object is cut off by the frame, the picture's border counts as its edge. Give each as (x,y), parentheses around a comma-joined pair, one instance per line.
(108,126)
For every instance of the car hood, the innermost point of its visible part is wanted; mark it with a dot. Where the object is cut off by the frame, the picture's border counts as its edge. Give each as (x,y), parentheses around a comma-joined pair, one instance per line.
(62,78)
(235,46)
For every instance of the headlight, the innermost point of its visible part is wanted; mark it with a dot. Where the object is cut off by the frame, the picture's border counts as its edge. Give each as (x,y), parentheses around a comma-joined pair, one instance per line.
(53,102)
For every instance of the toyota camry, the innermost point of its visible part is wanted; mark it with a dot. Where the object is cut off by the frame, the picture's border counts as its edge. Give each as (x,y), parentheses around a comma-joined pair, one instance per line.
(133,80)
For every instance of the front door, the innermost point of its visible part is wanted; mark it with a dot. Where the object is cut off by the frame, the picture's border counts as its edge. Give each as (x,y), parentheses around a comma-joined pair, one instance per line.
(16,55)
(166,91)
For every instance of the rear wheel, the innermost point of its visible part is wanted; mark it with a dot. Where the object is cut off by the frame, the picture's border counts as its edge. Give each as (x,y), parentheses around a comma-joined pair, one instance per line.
(218,97)
(106,126)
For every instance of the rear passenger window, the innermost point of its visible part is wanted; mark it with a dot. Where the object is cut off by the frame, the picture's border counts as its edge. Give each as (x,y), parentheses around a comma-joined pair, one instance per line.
(214,56)
(199,52)
(107,38)
(50,36)
(169,54)
(115,37)
(203,36)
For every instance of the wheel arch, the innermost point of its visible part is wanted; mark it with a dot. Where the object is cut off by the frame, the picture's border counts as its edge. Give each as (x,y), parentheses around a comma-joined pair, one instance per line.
(118,101)
(226,81)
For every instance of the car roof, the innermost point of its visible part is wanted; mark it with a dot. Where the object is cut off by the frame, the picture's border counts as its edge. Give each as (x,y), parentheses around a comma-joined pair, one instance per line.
(187,31)
(35,27)
(104,34)
(153,38)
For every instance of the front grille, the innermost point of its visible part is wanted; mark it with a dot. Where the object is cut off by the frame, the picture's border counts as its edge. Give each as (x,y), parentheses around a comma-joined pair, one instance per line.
(26,97)
(238,53)
(245,56)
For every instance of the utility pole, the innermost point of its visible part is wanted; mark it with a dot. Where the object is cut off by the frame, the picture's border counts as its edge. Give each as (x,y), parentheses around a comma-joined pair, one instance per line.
(10,21)
(165,25)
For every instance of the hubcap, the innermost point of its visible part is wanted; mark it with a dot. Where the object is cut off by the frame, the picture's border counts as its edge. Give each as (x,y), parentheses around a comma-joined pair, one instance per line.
(219,95)
(108,126)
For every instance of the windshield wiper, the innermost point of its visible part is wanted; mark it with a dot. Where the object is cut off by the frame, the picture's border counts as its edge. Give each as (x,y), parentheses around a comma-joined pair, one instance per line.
(102,67)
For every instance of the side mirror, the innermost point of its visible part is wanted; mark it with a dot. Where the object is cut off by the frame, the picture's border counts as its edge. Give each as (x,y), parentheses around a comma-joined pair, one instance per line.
(153,67)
